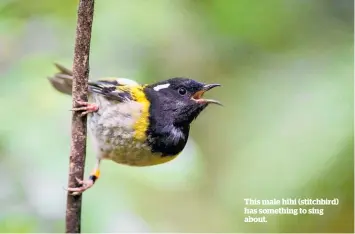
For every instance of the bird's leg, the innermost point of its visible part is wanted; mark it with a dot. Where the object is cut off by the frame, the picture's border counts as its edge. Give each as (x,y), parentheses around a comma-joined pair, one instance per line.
(86,107)
(86,184)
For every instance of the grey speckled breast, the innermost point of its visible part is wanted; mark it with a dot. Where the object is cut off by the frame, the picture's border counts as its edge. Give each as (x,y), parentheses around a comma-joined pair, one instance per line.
(112,129)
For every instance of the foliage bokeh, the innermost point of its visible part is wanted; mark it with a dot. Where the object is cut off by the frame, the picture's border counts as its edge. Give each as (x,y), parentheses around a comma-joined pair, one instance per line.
(286,129)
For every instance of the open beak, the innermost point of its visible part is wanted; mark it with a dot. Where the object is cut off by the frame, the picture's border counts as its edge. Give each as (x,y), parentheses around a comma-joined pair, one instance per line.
(199,94)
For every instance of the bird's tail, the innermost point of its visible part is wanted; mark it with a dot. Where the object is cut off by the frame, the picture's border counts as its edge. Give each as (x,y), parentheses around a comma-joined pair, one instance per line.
(63,80)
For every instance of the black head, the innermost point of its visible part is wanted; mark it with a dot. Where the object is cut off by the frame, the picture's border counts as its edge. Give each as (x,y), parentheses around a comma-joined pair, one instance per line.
(178,101)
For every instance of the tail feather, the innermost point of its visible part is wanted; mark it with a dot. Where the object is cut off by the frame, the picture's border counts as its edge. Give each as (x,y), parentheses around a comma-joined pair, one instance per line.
(63,80)
(63,69)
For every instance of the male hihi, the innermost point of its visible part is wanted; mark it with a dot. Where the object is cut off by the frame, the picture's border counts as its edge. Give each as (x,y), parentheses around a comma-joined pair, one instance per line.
(137,125)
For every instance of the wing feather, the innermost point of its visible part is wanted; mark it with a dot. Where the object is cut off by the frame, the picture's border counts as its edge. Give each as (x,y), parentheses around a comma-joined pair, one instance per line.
(112,89)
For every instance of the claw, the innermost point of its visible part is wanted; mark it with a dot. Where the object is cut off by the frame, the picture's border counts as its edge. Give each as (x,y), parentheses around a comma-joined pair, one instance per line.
(85,185)
(79,108)
(85,113)
(86,107)
(79,180)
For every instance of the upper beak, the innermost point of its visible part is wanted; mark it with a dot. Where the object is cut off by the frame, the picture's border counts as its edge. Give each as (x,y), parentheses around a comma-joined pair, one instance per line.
(198,95)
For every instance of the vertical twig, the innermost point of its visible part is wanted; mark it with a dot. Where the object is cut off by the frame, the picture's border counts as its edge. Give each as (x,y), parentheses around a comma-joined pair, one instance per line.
(80,90)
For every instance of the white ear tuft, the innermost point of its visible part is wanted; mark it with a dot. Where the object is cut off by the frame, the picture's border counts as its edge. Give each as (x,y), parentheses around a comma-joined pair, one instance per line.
(162,86)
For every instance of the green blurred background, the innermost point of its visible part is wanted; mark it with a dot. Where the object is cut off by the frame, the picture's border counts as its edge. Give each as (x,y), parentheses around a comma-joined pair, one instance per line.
(286,129)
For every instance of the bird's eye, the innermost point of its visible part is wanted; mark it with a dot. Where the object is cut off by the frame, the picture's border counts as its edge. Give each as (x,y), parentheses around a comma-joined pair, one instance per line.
(182,91)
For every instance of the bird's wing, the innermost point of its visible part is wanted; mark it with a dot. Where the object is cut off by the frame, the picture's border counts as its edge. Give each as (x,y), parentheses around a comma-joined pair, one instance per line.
(113,88)
(119,89)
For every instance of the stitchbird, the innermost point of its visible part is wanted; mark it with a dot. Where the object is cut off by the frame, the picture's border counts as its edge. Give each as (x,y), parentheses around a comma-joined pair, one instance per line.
(133,124)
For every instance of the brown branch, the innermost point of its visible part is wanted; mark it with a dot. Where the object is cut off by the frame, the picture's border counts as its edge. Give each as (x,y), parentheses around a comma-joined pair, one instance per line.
(80,92)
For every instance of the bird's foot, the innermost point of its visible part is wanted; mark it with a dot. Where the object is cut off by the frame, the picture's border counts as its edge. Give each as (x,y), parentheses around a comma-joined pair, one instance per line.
(85,185)
(86,107)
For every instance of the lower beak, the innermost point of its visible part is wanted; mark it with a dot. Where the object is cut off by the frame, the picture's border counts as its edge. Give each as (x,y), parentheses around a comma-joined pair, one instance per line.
(198,95)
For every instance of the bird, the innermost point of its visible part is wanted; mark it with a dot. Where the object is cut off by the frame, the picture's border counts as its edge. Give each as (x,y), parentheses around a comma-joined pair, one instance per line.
(134,124)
